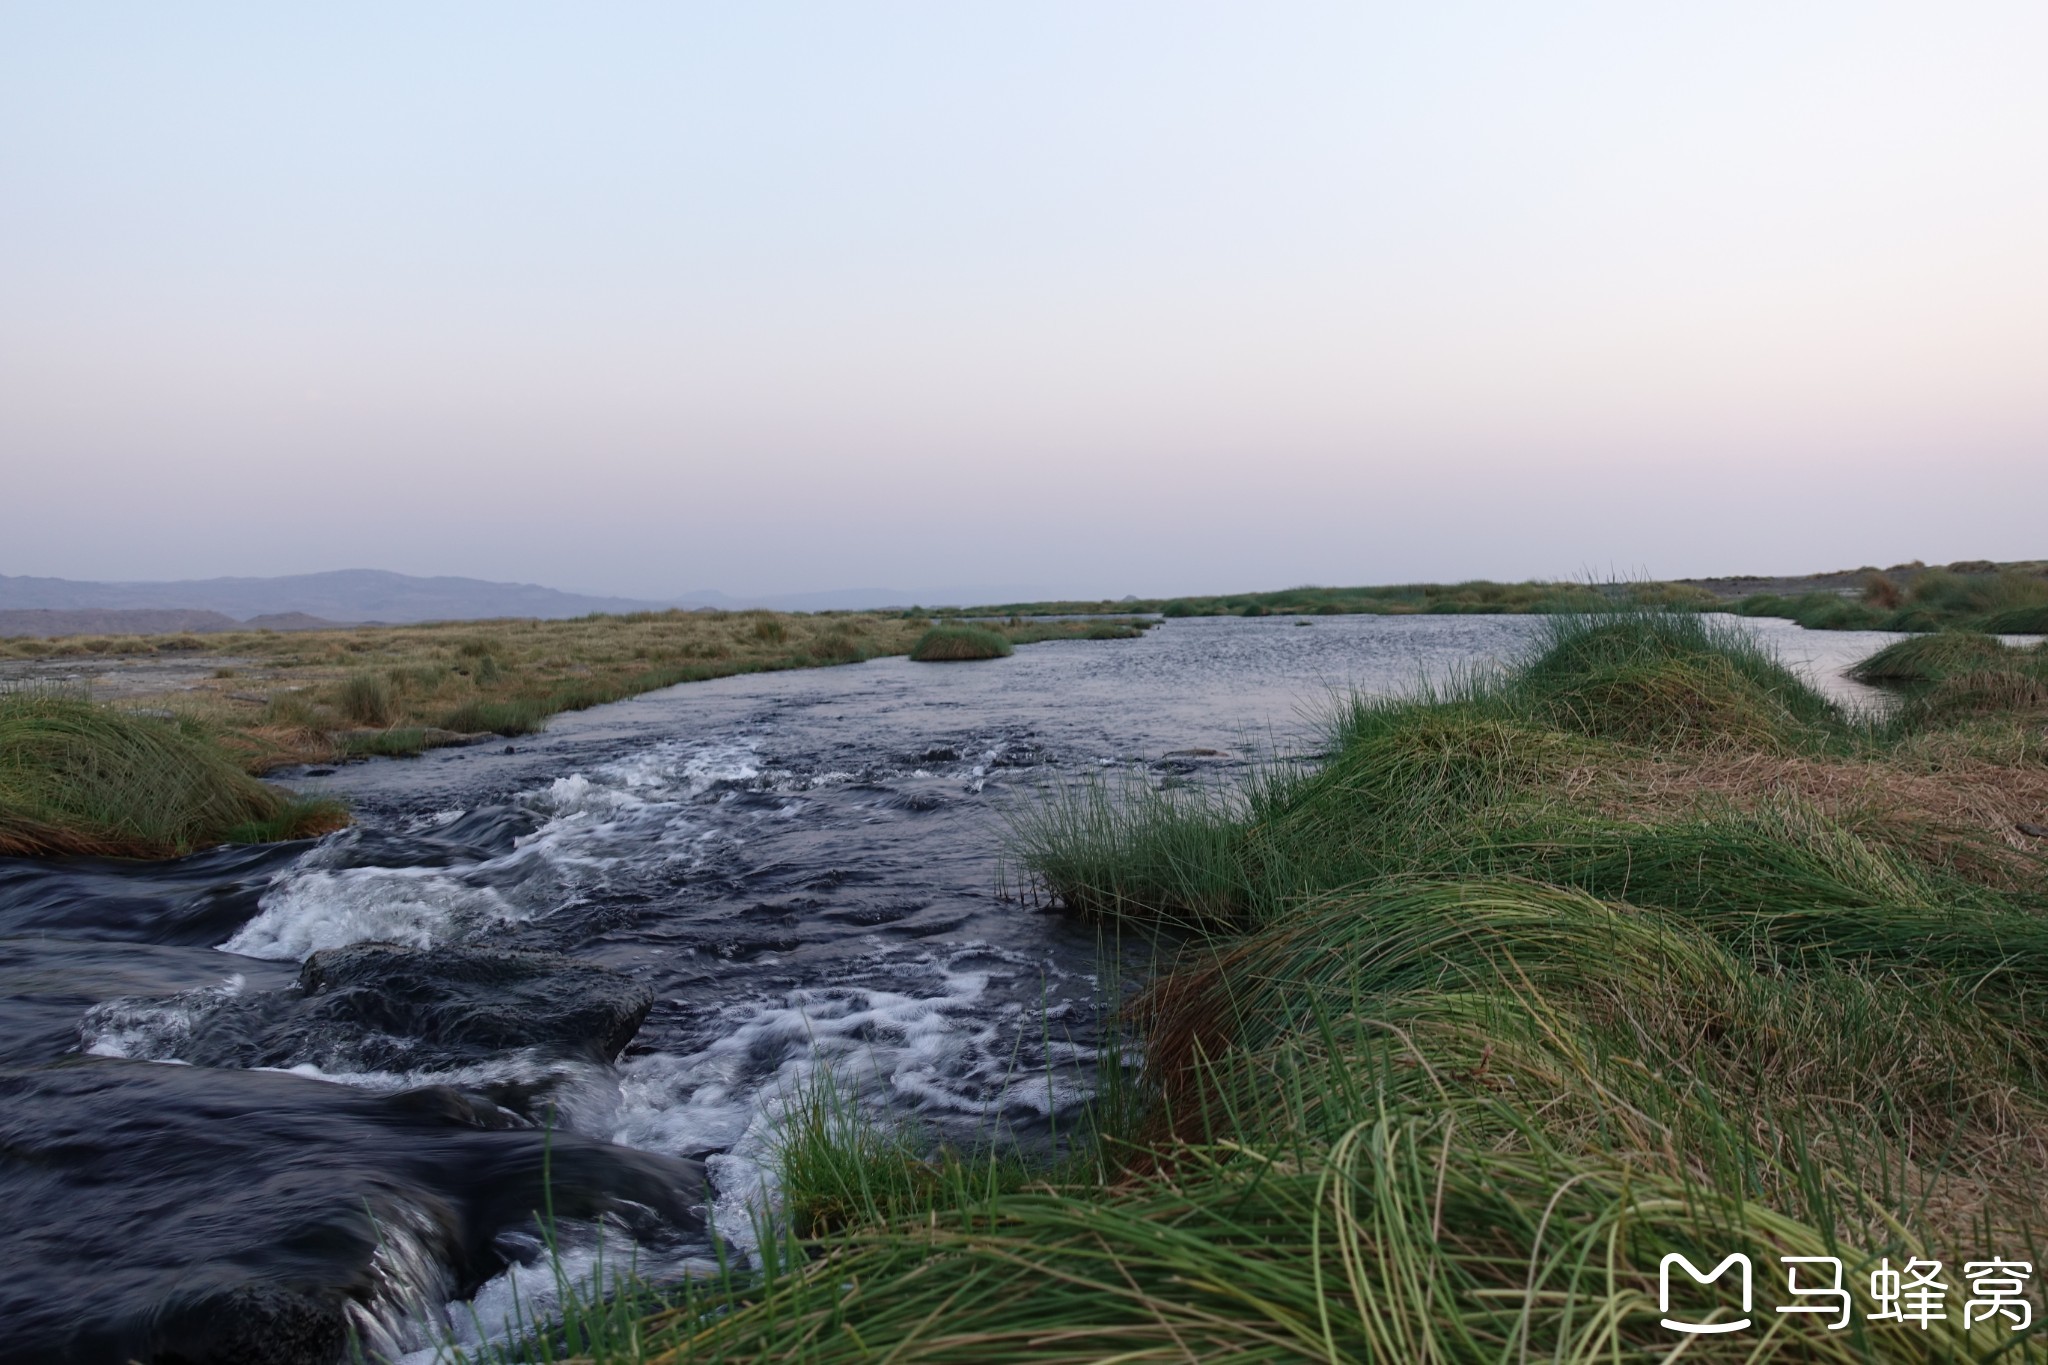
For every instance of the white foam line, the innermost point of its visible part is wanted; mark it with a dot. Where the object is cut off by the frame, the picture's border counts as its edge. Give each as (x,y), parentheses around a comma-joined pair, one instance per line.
(622,811)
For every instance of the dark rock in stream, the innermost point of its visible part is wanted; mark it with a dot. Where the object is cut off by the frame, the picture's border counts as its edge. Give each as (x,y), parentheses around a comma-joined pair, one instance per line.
(393,1008)
(479,1000)
(185,1216)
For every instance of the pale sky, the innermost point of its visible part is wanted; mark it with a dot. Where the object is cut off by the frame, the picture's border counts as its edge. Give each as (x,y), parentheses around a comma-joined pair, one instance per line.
(1102,297)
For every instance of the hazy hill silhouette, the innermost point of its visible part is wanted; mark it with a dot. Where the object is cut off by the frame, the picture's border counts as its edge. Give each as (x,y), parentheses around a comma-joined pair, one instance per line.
(343,595)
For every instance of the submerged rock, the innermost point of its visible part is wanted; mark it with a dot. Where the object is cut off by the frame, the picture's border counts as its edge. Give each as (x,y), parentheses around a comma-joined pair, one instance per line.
(160,1213)
(47,984)
(386,1007)
(477,1000)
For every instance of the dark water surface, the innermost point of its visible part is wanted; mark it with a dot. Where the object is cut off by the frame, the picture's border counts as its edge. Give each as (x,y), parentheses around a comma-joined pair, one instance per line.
(211,1153)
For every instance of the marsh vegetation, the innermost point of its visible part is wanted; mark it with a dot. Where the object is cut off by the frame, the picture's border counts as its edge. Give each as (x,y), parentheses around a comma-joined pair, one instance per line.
(1638,948)
(1976,595)
(1997,600)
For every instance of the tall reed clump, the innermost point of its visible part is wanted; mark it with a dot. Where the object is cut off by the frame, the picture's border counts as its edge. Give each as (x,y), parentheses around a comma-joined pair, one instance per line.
(1531,983)
(959,644)
(80,778)
(366,698)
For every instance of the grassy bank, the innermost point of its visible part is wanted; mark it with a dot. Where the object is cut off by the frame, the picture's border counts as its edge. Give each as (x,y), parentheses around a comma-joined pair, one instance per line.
(1946,656)
(1970,595)
(2007,602)
(317,696)
(1639,949)
(80,778)
(1401,599)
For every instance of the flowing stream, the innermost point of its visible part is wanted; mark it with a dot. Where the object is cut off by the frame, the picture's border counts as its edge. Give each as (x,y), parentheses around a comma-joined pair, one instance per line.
(214,1148)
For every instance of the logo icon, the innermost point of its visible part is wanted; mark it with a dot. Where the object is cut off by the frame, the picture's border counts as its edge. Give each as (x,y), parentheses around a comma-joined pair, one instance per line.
(1702,1277)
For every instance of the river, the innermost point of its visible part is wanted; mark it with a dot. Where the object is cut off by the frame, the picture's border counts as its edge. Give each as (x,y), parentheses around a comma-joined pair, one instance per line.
(792,874)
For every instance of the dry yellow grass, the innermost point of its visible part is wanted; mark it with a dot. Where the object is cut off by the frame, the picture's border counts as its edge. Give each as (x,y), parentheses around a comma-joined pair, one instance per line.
(314,696)
(1940,797)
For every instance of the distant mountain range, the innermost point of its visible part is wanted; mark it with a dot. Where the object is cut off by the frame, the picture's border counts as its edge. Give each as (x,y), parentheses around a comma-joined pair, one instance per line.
(64,606)
(42,621)
(344,595)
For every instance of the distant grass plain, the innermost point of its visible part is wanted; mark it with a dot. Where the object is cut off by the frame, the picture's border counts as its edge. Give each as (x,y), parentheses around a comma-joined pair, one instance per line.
(2010,598)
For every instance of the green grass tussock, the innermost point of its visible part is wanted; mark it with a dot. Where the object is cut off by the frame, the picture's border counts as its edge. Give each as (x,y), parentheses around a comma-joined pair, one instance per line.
(2018,621)
(1425,1121)
(1953,676)
(958,644)
(1958,595)
(403,742)
(1930,658)
(1653,677)
(366,699)
(79,778)
(519,717)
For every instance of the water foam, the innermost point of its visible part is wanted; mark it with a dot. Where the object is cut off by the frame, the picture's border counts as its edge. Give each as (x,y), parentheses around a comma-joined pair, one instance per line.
(589,1260)
(956,1039)
(418,907)
(935,1049)
(152,1029)
(591,823)
(409,1283)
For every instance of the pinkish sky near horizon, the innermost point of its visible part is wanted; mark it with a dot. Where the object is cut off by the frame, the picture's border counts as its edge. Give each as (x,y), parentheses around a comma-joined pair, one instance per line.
(1090,298)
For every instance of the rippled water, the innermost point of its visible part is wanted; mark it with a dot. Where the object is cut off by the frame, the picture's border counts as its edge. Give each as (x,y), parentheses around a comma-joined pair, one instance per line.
(801,869)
